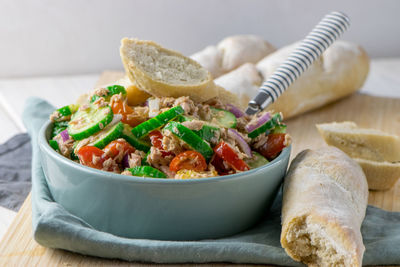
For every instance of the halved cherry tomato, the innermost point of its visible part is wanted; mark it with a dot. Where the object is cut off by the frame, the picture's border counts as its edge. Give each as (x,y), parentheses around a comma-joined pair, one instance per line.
(188,160)
(229,155)
(120,107)
(156,141)
(275,143)
(221,167)
(117,149)
(92,156)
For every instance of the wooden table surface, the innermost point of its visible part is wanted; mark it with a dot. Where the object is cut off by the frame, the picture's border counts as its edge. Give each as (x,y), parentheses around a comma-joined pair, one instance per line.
(25,250)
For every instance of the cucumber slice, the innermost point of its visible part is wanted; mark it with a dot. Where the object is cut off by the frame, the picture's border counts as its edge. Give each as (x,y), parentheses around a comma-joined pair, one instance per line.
(190,138)
(256,161)
(144,160)
(108,134)
(223,118)
(208,133)
(158,121)
(146,171)
(112,90)
(54,145)
(279,129)
(58,127)
(182,118)
(86,122)
(269,125)
(135,142)
(67,110)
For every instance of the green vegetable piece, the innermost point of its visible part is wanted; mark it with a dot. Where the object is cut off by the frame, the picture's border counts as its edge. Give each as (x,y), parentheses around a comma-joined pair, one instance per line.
(54,145)
(89,121)
(108,134)
(279,129)
(269,125)
(139,144)
(112,90)
(158,121)
(58,127)
(68,110)
(182,118)
(73,156)
(208,133)
(256,161)
(144,160)
(146,171)
(190,138)
(223,118)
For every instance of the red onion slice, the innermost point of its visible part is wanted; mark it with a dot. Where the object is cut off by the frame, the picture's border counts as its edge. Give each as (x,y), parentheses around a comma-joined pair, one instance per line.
(65,136)
(235,110)
(252,125)
(125,161)
(241,142)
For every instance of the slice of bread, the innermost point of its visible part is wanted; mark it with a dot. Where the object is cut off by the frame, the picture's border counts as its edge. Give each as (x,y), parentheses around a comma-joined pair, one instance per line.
(162,72)
(380,175)
(361,143)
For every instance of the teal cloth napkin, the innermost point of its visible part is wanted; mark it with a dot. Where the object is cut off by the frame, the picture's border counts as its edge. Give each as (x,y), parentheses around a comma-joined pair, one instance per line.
(54,227)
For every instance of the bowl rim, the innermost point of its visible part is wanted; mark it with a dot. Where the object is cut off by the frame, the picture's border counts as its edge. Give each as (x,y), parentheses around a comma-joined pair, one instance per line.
(45,148)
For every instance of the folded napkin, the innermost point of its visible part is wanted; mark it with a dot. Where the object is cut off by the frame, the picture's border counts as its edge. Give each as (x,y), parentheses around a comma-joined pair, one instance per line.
(54,227)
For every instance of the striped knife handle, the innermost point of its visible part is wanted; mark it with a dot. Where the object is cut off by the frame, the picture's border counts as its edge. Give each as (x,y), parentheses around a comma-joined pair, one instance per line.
(316,42)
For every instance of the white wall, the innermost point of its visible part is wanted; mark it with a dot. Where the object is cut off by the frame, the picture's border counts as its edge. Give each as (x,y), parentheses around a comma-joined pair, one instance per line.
(50,37)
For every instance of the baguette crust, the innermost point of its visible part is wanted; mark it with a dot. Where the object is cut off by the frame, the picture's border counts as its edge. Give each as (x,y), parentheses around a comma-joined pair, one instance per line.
(233,52)
(340,71)
(324,203)
(201,89)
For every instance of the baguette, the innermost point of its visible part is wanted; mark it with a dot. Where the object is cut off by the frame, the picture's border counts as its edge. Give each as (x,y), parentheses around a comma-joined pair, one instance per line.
(162,72)
(233,52)
(340,71)
(377,152)
(246,76)
(324,202)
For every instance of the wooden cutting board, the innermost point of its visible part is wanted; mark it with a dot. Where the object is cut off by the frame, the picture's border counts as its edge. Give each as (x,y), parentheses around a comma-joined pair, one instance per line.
(19,249)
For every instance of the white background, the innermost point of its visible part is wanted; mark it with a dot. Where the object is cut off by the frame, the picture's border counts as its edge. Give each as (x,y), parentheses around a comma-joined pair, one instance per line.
(50,37)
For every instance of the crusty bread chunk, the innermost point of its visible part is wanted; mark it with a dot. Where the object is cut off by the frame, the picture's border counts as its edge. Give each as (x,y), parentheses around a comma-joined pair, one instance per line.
(163,72)
(361,143)
(324,202)
(380,175)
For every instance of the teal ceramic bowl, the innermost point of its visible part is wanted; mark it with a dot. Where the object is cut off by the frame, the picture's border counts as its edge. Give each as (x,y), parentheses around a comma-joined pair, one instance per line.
(164,209)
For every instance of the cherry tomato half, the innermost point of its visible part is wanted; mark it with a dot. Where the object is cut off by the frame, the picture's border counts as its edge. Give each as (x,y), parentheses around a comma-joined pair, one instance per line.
(120,107)
(92,156)
(220,166)
(188,160)
(275,143)
(156,141)
(117,149)
(229,155)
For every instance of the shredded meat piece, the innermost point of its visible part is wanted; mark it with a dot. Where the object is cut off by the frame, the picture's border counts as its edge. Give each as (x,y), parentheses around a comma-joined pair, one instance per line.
(288,140)
(110,165)
(156,159)
(167,171)
(65,147)
(128,173)
(214,102)
(100,102)
(171,143)
(242,122)
(187,104)
(193,125)
(204,112)
(55,116)
(260,140)
(101,91)
(134,160)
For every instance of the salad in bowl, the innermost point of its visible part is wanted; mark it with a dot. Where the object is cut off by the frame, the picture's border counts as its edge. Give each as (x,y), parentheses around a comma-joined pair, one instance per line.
(165,137)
